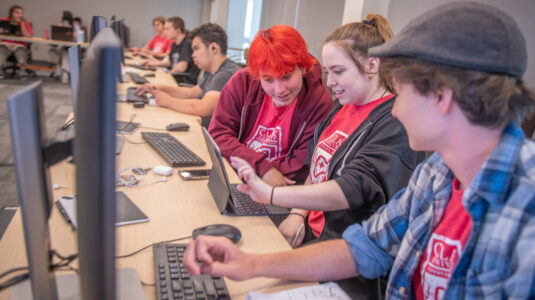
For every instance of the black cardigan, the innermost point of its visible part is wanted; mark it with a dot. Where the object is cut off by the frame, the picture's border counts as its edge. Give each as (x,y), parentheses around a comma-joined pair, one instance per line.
(370,166)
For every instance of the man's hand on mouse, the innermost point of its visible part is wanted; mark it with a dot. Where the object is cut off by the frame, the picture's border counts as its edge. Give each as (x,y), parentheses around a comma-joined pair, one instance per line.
(219,257)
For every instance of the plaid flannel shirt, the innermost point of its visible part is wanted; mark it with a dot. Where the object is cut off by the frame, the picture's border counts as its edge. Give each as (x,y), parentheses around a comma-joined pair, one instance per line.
(499,259)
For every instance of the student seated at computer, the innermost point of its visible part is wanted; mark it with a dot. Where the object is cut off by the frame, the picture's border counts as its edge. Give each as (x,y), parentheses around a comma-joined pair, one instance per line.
(463,227)
(359,157)
(57,54)
(209,44)
(179,59)
(159,46)
(20,27)
(268,111)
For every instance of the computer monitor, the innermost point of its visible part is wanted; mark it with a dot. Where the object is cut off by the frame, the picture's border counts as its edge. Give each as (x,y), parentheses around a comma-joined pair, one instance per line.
(97,24)
(94,147)
(28,135)
(74,65)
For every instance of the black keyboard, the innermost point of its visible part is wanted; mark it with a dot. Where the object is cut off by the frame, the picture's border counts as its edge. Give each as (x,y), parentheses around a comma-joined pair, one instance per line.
(141,67)
(173,151)
(132,97)
(174,282)
(137,78)
(244,205)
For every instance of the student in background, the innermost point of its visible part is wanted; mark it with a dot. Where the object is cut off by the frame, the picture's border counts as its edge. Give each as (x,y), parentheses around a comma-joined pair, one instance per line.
(359,157)
(267,112)
(463,228)
(179,58)
(209,43)
(58,54)
(18,49)
(66,19)
(159,46)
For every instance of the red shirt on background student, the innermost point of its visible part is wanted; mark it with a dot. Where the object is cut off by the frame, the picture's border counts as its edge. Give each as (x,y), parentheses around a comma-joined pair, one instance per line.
(27,25)
(271,131)
(160,44)
(346,120)
(443,249)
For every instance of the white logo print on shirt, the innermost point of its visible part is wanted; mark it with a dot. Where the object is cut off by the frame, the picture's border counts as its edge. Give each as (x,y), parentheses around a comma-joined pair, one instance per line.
(442,256)
(268,141)
(323,154)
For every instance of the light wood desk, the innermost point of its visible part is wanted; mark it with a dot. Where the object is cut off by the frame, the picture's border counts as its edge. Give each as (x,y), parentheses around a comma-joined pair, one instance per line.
(175,208)
(38,40)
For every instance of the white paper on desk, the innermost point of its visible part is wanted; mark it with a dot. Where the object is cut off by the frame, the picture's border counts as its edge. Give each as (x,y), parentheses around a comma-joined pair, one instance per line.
(329,290)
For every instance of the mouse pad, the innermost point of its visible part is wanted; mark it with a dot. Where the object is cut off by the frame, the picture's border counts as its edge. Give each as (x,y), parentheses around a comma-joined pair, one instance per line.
(127,212)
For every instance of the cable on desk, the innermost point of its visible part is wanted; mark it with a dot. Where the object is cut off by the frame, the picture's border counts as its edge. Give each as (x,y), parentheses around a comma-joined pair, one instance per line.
(14,280)
(131,142)
(12,271)
(64,263)
(132,117)
(147,284)
(152,128)
(137,251)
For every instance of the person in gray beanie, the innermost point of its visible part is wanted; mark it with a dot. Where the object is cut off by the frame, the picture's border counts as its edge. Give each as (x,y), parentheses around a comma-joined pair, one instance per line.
(464,227)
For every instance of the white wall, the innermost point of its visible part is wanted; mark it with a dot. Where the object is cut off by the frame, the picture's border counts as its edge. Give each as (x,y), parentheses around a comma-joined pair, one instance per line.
(315,18)
(400,12)
(138,14)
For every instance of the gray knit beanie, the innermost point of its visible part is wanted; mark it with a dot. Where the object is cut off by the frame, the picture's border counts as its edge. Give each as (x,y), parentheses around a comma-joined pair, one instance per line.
(469,35)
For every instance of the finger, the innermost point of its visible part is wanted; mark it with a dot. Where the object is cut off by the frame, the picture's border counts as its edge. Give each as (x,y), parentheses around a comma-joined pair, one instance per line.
(244,188)
(239,161)
(288,180)
(190,260)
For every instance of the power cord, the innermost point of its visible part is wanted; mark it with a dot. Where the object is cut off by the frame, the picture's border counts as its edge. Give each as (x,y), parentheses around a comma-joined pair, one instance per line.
(132,117)
(64,263)
(144,248)
(131,142)
(152,128)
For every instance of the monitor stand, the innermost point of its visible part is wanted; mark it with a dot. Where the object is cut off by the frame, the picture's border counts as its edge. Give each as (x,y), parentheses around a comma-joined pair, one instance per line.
(128,287)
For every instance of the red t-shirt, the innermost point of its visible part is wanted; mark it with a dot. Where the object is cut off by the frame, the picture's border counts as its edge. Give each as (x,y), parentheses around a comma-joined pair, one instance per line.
(28,27)
(272,129)
(346,120)
(160,44)
(443,249)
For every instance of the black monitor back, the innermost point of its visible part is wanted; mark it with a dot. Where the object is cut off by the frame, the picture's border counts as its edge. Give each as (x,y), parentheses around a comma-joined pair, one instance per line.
(94,149)
(28,134)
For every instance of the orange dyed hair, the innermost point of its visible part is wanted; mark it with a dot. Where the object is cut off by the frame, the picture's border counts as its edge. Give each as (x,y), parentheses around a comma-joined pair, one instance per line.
(278,51)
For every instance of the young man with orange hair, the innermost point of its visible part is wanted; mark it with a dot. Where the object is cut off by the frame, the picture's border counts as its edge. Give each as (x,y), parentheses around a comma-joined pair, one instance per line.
(267,112)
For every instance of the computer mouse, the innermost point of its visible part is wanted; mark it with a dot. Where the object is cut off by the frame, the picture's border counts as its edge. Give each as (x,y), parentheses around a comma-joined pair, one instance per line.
(229,231)
(178,127)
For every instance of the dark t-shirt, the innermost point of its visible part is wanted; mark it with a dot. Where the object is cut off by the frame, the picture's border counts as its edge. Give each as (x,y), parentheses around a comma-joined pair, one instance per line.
(216,81)
(182,52)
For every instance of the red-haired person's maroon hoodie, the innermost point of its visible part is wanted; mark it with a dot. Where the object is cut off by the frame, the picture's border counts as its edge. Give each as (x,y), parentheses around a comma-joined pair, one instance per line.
(238,107)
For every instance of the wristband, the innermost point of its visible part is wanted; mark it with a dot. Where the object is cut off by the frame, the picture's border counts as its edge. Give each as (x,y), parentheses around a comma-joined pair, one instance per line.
(297,214)
(271,197)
